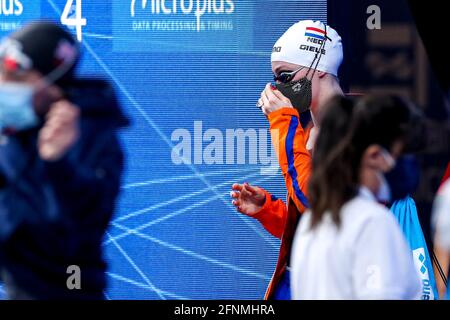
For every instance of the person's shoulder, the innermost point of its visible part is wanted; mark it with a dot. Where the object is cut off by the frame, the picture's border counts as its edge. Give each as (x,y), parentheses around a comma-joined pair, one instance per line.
(361,210)
(364,206)
(441,205)
(444,190)
(370,220)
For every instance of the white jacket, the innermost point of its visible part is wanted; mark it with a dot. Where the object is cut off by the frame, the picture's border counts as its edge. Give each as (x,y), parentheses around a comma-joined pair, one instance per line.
(367,257)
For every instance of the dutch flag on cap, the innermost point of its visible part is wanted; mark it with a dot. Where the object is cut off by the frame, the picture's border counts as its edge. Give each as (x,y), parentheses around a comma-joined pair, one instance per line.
(315,33)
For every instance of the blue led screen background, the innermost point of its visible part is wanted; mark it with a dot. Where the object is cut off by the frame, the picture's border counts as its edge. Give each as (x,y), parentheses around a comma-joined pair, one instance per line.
(188,77)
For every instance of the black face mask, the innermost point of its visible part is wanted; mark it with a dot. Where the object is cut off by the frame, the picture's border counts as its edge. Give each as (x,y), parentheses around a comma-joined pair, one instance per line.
(298,92)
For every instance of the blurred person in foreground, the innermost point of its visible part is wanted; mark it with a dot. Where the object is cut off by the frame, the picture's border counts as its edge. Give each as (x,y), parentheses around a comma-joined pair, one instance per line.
(348,245)
(60,167)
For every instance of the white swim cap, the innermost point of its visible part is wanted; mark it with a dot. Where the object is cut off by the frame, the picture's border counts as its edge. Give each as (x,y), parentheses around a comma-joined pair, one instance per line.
(300,43)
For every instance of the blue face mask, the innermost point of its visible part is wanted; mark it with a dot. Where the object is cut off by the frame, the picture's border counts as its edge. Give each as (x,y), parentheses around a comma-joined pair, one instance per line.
(16,107)
(404,178)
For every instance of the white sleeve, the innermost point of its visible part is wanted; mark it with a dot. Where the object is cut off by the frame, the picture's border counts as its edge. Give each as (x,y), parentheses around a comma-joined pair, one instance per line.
(441,217)
(383,264)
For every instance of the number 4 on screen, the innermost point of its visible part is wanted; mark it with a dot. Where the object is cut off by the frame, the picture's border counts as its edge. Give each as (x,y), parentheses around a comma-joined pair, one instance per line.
(76,20)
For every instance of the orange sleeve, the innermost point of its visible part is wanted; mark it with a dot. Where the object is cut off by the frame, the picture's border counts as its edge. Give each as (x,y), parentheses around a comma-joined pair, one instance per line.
(272,215)
(289,140)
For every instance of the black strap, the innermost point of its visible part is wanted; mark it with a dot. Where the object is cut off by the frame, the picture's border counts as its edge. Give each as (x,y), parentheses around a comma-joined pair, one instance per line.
(317,56)
(438,266)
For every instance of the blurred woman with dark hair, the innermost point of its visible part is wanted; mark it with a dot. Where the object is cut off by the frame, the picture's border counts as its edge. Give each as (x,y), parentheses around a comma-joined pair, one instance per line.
(348,246)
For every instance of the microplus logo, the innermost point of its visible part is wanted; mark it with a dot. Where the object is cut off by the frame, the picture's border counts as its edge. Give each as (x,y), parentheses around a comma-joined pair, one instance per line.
(195,8)
(11,7)
(15,13)
(183,25)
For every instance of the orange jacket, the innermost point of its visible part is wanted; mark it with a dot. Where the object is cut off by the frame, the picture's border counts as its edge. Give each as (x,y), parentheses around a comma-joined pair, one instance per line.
(289,139)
